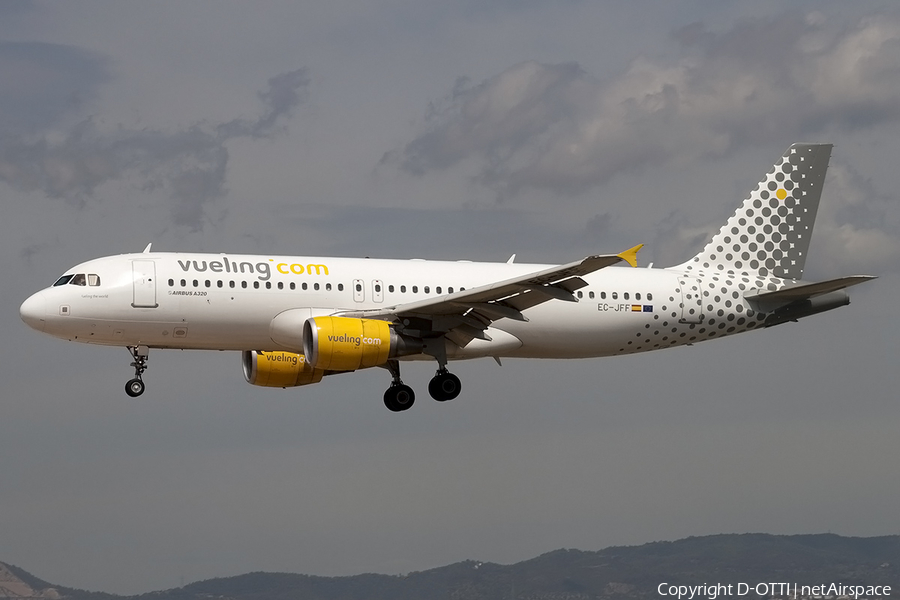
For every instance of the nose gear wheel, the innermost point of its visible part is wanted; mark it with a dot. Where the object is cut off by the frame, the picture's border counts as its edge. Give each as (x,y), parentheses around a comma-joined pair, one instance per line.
(135,387)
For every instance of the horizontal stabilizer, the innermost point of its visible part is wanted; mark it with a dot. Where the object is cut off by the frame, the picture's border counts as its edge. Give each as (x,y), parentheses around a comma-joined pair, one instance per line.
(805,291)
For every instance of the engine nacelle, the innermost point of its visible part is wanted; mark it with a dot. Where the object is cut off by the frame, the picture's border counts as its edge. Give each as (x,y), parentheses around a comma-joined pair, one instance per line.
(278,369)
(344,344)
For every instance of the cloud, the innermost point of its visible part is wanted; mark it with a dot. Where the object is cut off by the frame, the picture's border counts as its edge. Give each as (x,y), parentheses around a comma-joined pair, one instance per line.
(285,92)
(43,82)
(556,127)
(189,165)
(858,230)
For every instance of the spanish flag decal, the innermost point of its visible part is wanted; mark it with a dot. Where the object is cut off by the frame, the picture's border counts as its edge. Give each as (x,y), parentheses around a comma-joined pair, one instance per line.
(636,308)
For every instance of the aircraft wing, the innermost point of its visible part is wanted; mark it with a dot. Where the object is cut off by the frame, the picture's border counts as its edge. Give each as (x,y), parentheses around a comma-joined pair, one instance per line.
(469,312)
(804,291)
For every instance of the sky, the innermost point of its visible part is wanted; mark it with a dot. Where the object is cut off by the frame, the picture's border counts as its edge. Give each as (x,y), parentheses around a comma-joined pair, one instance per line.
(449,130)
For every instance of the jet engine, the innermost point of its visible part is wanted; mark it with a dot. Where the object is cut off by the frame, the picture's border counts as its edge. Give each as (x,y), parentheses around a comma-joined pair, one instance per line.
(278,369)
(345,344)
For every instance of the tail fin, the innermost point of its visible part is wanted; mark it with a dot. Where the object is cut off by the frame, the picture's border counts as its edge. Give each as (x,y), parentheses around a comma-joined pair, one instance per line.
(769,234)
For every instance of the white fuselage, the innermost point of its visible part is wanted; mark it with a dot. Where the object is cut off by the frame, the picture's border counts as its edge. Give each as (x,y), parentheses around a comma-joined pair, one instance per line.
(228,302)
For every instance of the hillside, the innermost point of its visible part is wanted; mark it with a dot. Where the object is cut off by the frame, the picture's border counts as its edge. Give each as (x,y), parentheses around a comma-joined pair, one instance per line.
(613,573)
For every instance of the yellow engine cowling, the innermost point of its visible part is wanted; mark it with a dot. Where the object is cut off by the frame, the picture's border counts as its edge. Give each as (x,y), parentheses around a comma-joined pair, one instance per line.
(278,369)
(344,344)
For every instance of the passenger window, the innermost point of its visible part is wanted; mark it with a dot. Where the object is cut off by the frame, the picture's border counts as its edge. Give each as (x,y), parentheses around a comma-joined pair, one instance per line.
(171,283)
(196,283)
(93,280)
(316,286)
(402,289)
(78,280)
(377,288)
(615,295)
(625,295)
(591,295)
(231,283)
(305,286)
(63,280)
(327,287)
(293,286)
(603,295)
(268,285)
(580,294)
(438,289)
(183,283)
(207,283)
(637,296)
(340,287)
(462,289)
(415,289)
(219,283)
(427,289)
(449,290)
(255,285)
(391,289)
(280,285)
(358,287)
(244,284)
(649,296)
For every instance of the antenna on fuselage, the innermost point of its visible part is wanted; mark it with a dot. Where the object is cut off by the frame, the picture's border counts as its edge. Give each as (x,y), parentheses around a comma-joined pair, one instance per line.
(147,249)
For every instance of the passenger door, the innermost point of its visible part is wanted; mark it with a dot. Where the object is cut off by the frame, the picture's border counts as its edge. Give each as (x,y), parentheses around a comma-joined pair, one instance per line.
(144,278)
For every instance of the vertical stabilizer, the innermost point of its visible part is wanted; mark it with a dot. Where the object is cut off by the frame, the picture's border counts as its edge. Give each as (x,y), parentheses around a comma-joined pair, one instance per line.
(769,234)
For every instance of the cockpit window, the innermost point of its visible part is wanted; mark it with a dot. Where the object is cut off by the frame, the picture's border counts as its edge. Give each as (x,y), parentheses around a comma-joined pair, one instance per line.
(93,280)
(78,279)
(63,280)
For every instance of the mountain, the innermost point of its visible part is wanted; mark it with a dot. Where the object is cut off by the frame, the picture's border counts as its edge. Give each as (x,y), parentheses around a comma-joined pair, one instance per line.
(626,572)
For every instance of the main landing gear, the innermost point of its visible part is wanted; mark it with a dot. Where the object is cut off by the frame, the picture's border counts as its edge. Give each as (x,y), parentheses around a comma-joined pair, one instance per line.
(444,385)
(399,397)
(135,387)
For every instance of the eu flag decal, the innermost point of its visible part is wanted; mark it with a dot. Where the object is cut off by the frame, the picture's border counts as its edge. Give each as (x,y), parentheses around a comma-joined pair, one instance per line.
(648,308)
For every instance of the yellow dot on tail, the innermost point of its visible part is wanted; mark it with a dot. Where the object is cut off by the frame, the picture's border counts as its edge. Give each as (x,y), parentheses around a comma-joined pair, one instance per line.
(781,194)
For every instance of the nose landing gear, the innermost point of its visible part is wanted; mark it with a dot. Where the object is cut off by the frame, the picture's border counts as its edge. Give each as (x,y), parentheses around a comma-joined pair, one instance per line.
(135,387)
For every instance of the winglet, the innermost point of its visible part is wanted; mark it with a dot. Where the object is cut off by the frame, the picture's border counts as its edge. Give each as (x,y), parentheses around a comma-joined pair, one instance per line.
(630,256)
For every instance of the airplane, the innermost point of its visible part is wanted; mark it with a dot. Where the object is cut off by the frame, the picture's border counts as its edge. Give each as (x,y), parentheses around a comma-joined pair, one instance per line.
(297,319)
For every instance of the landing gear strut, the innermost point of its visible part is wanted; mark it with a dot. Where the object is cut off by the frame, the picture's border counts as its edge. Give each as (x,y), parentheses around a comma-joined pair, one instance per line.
(135,387)
(444,385)
(399,396)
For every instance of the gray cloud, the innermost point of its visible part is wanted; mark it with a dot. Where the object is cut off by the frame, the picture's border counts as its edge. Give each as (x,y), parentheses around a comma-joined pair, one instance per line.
(43,82)
(286,91)
(189,165)
(859,231)
(556,127)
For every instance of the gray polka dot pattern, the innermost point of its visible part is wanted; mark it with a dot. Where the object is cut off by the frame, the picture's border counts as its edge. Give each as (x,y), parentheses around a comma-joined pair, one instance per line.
(758,249)
(769,234)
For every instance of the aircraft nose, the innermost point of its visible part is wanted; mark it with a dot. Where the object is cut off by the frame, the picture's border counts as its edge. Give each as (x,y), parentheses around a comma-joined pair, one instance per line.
(34,311)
